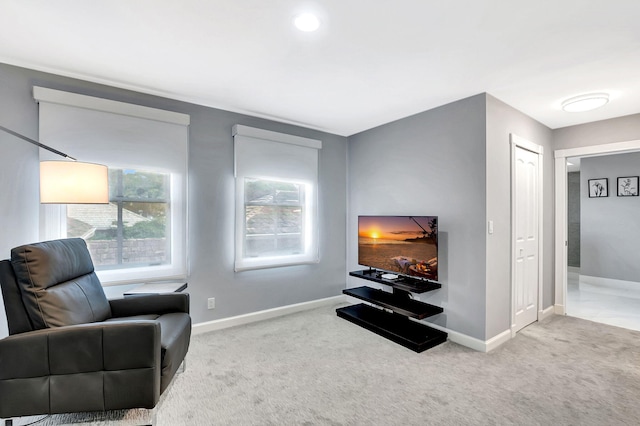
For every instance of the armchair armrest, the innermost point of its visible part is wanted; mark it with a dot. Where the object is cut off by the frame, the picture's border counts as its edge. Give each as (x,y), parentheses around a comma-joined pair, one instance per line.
(150,304)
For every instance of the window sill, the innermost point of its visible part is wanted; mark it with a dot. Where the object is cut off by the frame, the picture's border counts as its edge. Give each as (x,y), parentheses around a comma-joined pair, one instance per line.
(250,267)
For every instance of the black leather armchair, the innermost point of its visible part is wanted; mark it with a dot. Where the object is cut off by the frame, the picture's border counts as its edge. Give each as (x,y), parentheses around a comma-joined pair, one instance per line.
(72,350)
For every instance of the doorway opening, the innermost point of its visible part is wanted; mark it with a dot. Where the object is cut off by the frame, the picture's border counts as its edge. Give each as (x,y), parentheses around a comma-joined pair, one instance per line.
(609,240)
(577,292)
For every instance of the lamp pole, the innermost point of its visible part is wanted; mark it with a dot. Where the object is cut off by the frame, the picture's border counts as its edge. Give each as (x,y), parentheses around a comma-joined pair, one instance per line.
(48,148)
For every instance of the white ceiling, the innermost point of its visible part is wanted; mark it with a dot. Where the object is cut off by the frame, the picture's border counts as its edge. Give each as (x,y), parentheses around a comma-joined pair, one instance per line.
(371,62)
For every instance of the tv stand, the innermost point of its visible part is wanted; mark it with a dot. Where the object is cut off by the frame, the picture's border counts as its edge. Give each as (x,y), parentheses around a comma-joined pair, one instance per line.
(391,319)
(403,282)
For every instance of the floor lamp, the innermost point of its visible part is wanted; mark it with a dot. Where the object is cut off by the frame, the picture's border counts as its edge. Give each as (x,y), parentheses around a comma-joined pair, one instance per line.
(69,182)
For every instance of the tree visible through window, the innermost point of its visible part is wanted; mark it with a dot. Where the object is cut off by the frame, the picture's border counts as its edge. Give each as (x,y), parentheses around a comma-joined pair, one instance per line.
(134,228)
(274,218)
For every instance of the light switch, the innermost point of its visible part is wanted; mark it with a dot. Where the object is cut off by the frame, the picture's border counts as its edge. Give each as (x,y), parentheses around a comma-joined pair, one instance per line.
(490,227)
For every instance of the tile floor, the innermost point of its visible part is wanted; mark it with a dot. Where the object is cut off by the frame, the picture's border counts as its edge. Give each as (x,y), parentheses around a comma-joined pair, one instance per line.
(617,307)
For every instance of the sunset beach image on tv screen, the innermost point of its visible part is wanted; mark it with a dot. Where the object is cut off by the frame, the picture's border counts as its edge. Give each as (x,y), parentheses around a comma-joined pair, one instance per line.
(405,245)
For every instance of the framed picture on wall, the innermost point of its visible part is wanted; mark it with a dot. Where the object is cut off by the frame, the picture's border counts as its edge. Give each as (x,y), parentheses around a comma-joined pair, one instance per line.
(598,188)
(628,186)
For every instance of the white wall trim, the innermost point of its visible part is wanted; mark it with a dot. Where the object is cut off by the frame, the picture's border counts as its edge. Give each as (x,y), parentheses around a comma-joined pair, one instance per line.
(561,239)
(459,338)
(43,94)
(472,342)
(467,341)
(546,313)
(608,148)
(497,340)
(223,323)
(523,143)
(253,132)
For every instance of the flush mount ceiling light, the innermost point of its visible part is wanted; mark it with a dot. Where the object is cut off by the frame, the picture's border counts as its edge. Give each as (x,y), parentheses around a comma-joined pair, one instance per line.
(306,22)
(585,102)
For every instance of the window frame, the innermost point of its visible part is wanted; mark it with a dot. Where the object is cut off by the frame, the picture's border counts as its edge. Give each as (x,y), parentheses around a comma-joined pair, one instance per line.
(56,219)
(117,198)
(271,156)
(307,234)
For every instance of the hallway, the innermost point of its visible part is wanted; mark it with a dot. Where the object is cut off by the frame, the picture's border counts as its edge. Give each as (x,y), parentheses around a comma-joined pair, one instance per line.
(614,306)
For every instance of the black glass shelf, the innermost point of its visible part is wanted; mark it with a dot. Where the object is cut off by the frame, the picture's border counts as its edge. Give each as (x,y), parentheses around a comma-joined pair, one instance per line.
(397,303)
(395,327)
(413,285)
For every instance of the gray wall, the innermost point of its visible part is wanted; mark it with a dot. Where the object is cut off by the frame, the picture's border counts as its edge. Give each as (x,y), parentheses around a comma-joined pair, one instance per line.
(19,169)
(573,219)
(502,120)
(459,156)
(211,205)
(610,229)
(431,163)
(619,129)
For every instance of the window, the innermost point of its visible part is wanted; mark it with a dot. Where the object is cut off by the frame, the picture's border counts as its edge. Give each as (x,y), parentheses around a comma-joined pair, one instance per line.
(276,199)
(141,234)
(274,217)
(134,228)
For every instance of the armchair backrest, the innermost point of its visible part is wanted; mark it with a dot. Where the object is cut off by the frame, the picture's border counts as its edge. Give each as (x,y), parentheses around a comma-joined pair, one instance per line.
(17,317)
(57,284)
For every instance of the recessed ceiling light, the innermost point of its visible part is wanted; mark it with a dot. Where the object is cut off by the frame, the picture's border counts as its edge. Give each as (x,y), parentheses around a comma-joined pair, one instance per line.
(306,22)
(585,102)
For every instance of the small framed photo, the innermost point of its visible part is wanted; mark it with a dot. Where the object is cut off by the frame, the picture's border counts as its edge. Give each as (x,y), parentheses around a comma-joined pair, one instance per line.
(628,186)
(598,188)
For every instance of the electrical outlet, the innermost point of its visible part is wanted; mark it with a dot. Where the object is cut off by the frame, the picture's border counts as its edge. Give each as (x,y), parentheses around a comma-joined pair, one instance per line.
(211,303)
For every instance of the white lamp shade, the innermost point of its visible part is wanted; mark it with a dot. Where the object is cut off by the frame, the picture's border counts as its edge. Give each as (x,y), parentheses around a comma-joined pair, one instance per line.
(72,182)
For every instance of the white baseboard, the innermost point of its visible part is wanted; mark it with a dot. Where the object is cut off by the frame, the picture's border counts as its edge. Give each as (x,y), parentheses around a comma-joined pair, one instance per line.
(546,313)
(468,341)
(472,342)
(477,344)
(497,340)
(204,327)
(559,309)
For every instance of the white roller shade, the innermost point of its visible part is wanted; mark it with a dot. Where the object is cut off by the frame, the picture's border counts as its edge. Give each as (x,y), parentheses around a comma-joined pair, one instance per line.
(94,133)
(276,156)
(120,136)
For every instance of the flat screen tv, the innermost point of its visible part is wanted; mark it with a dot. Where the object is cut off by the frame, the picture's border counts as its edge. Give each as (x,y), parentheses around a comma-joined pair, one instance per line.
(406,245)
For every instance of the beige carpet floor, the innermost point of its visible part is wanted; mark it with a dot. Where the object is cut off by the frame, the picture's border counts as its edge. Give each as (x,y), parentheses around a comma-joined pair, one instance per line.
(313,368)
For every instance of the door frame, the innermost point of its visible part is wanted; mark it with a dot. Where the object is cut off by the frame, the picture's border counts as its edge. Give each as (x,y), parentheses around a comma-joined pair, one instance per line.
(561,225)
(519,142)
